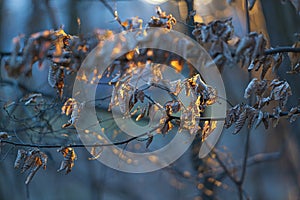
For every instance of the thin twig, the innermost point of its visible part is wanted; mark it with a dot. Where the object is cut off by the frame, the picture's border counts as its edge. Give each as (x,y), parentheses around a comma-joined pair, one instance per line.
(255,159)
(190,19)
(225,169)
(113,12)
(246,153)
(282,50)
(77,145)
(240,182)
(248,23)
(218,171)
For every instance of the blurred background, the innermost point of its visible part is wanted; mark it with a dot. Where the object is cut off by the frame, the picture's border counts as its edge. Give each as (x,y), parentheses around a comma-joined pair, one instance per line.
(276,179)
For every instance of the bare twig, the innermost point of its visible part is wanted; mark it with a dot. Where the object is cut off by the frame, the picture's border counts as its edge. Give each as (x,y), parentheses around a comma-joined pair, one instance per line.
(228,169)
(282,50)
(244,164)
(248,23)
(255,159)
(113,12)
(77,145)
(239,183)
(225,169)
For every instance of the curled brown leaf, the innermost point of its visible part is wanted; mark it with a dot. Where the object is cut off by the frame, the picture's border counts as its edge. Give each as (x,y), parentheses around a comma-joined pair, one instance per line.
(69,157)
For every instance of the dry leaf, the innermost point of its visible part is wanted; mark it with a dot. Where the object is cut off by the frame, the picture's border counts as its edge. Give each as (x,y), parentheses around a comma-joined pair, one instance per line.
(240,122)
(232,115)
(250,48)
(276,116)
(3,135)
(293,114)
(250,88)
(133,23)
(259,119)
(71,106)
(68,106)
(32,172)
(52,75)
(162,20)
(208,128)
(96,153)
(255,86)
(140,95)
(213,31)
(177,65)
(69,157)
(8,104)
(239,114)
(278,58)
(141,115)
(172,107)
(32,159)
(20,156)
(175,87)
(166,128)
(252,115)
(60,84)
(265,120)
(29,160)
(30,98)
(281,90)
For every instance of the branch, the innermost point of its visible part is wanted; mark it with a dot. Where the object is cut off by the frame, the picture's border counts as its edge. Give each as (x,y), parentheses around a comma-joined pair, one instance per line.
(248,24)
(225,169)
(284,114)
(282,50)
(228,169)
(246,153)
(239,183)
(258,158)
(255,159)
(114,13)
(42,146)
